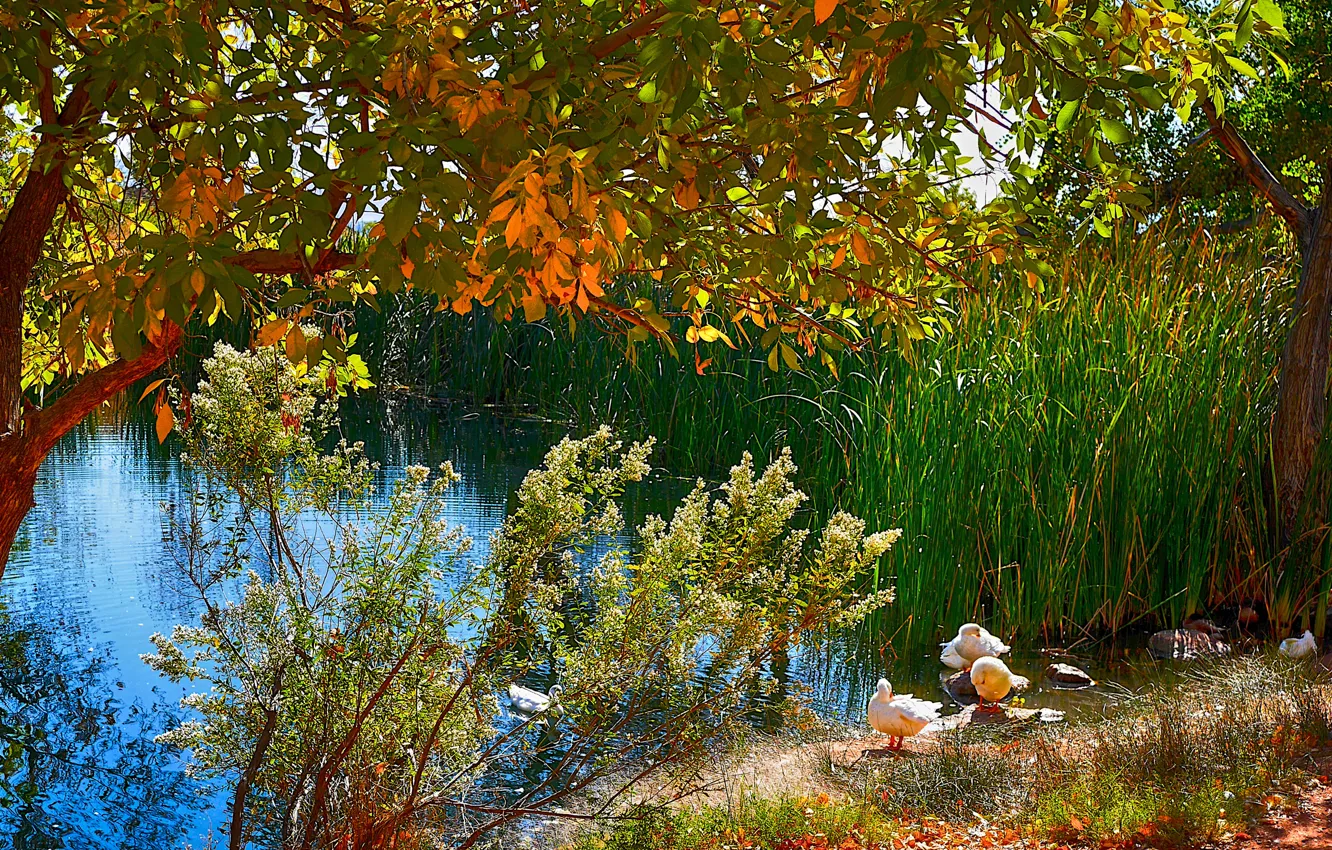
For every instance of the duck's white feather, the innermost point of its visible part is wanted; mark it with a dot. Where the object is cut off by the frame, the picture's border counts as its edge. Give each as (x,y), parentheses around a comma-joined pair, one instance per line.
(900,715)
(972,642)
(992,678)
(1300,647)
(952,658)
(528,701)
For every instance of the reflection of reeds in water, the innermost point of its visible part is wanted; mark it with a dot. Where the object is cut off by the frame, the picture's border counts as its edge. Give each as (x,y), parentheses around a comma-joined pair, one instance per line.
(1085,462)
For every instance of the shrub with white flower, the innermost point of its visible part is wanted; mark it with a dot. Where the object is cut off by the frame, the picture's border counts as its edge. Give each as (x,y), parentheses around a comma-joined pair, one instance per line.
(355,658)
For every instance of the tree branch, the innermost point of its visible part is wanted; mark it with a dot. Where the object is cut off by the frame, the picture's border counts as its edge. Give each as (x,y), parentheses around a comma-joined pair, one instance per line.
(646,25)
(1286,205)
(266,261)
(45,427)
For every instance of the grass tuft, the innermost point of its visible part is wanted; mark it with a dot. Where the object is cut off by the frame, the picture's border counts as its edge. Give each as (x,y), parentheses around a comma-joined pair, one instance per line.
(1176,766)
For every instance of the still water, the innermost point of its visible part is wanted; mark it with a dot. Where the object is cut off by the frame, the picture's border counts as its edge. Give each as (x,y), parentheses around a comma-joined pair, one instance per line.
(90,581)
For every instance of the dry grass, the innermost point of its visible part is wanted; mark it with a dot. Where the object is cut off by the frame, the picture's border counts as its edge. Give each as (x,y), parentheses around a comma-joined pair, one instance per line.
(1175,766)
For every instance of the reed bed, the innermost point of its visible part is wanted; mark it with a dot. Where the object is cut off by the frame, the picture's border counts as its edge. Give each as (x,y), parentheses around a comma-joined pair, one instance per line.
(1080,459)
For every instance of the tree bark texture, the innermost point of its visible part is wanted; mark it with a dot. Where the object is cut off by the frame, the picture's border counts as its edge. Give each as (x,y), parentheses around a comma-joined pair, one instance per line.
(1297,428)
(1301,413)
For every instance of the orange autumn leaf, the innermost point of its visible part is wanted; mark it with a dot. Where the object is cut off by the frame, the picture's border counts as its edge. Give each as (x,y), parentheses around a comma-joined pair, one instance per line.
(619,224)
(823,10)
(166,420)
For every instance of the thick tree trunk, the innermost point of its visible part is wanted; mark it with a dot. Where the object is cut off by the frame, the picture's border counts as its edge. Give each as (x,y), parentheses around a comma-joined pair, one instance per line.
(23,450)
(1302,390)
(17,477)
(1302,393)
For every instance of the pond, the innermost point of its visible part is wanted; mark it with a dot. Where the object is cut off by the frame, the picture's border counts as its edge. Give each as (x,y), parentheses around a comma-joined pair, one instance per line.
(91,579)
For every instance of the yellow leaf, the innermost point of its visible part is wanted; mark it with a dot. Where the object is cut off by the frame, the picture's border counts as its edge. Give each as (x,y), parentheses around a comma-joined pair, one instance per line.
(860,247)
(789,356)
(513,231)
(197,281)
(823,10)
(619,224)
(534,307)
(166,420)
(533,184)
(270,333)
(928,238)
(502,210)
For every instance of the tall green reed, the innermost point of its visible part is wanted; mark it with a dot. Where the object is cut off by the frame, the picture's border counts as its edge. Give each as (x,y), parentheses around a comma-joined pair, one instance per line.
(1078,460)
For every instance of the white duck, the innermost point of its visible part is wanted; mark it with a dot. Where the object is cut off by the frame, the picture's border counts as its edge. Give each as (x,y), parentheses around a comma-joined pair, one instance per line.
(972,642)
(992,679)
(1300,647)
(529,702)
(899,716)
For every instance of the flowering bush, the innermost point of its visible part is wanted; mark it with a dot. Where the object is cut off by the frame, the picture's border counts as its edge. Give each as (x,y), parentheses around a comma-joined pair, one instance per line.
(355,655)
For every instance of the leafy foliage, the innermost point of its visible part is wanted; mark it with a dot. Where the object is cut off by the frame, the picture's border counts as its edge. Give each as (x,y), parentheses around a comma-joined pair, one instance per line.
(354,655)
(1285,114)
(780,167)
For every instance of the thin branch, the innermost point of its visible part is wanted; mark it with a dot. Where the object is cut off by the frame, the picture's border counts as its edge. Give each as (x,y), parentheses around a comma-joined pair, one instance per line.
(646,25)
(267,261)
(1286,205)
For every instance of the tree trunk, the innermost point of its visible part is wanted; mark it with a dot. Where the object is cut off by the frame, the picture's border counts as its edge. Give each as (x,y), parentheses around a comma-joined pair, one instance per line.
(1302,392)
(17,477)
(24,448)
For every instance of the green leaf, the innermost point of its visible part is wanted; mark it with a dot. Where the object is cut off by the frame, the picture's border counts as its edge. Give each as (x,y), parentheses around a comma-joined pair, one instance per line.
(1270,12)
(125,337)
(1244,31)
(648,92)
(291,297)
(1067,113)
(1240,65)
(400,215)
(1115,131)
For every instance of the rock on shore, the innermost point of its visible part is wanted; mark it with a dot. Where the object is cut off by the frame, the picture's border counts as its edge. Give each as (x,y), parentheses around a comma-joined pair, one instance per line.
(1186,645)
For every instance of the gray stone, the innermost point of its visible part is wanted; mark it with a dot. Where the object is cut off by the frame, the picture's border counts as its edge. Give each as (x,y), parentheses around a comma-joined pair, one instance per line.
(1068,676)
(1186,645)
(971,716)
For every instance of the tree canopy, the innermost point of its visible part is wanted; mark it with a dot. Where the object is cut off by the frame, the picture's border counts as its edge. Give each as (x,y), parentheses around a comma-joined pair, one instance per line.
(519,157)
(1286,115)
(782,168)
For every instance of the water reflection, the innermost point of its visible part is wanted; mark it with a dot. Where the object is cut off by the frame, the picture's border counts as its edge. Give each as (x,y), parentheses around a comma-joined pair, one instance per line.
(78,763)
(91,578)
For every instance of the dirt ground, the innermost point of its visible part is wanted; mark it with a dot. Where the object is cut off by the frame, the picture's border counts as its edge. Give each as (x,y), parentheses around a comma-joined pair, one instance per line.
(1308,828)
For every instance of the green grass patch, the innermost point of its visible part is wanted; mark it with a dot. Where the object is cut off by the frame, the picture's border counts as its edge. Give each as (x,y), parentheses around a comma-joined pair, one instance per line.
(750,821)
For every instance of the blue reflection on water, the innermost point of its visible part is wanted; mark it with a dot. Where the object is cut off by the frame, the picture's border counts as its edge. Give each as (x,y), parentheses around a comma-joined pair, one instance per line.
(91,578)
